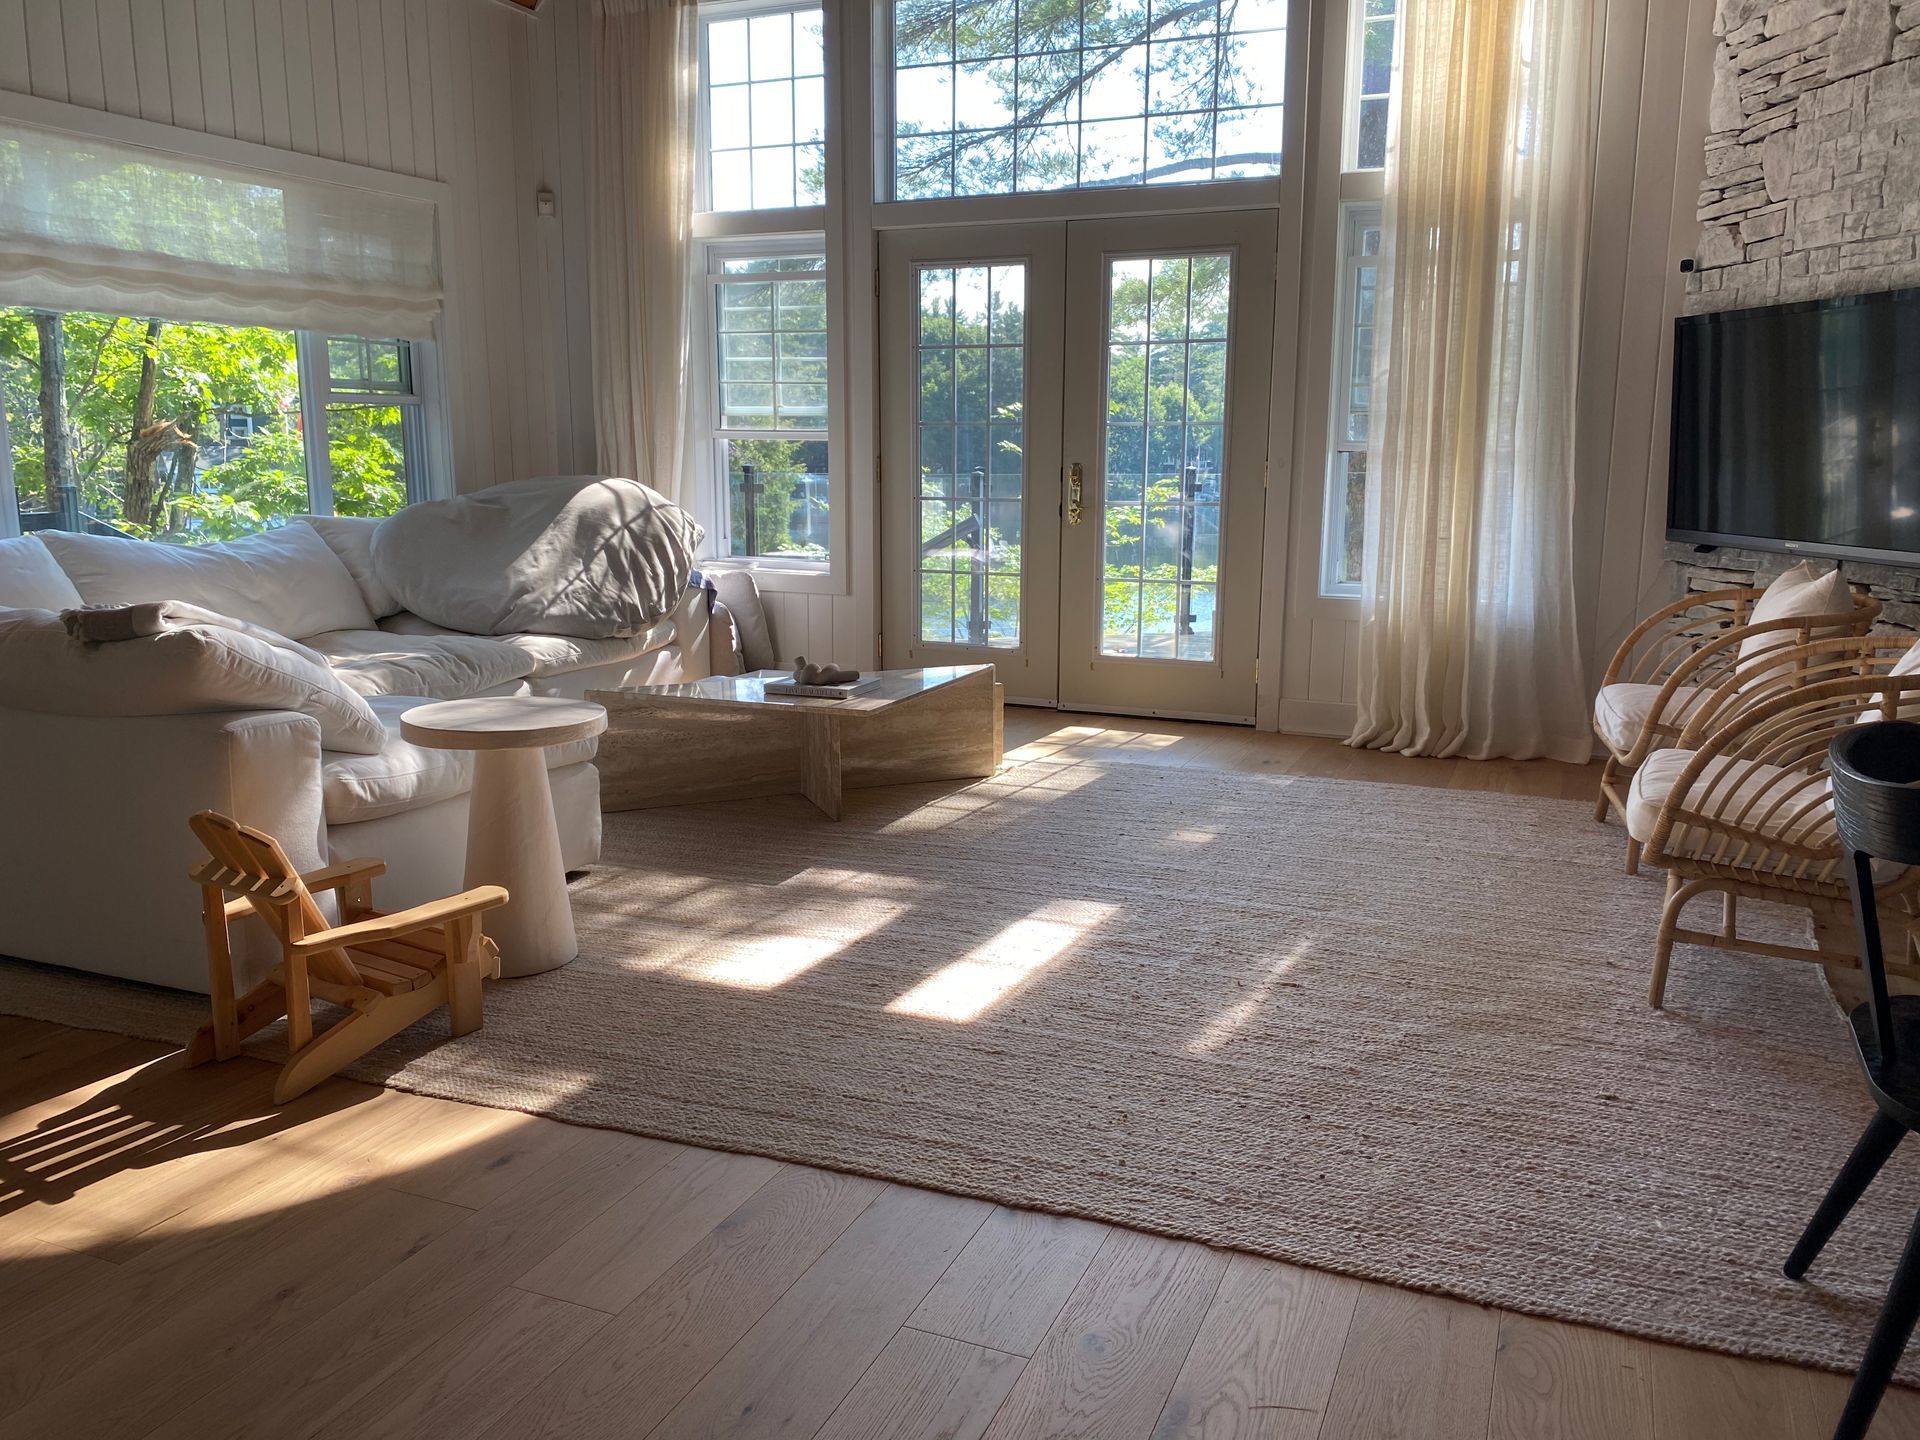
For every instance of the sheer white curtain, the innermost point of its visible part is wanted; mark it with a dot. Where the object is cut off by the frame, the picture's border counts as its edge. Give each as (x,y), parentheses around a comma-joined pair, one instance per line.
(1470,646)
(644,59)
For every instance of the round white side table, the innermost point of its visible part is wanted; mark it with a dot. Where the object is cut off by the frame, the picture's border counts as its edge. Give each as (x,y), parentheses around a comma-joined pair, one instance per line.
(512,840)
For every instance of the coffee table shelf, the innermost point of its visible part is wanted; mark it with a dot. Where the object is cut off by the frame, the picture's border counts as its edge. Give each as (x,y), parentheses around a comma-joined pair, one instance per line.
(725,738)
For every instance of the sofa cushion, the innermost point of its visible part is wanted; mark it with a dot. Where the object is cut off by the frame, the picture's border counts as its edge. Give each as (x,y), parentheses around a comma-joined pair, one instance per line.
(1621,711)
(31,579)
(549,654)
(403,776)
(586,555)
(176,672)
(287,579)
(351,538)
(439,667)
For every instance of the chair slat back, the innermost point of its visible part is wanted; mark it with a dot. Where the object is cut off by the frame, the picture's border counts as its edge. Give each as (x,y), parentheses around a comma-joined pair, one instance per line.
(267,881)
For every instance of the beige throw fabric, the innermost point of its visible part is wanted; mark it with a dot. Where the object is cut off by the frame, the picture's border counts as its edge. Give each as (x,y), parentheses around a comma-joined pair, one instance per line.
(1469,647)
(643,144)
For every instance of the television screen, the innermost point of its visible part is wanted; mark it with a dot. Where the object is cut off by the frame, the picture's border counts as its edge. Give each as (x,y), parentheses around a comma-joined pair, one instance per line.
(1797,427)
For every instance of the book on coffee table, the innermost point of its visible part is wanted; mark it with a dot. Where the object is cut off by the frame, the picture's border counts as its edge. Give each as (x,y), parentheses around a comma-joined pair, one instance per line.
(865,685)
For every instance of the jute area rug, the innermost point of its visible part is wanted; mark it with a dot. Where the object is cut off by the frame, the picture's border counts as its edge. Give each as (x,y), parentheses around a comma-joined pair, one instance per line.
(1395,1032)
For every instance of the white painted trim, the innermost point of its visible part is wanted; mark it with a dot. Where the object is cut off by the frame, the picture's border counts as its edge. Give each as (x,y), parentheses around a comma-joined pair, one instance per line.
(9,497)
(1332,718)
(1120,202)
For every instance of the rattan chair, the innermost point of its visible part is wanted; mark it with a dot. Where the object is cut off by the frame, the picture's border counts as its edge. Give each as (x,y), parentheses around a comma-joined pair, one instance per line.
(1672,662)
(1742,807)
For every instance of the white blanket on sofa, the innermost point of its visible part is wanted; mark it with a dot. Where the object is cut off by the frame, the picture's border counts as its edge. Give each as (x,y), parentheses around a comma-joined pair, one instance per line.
(582,555)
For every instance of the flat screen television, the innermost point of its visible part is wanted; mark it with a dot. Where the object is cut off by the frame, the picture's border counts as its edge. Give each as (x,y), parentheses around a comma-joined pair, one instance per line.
(1797,427)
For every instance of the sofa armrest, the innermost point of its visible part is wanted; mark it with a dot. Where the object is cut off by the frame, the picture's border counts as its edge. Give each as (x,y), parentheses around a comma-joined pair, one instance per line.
(93,795)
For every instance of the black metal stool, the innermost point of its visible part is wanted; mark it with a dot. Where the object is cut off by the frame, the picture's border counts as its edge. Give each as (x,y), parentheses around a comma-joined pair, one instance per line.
(1876,802)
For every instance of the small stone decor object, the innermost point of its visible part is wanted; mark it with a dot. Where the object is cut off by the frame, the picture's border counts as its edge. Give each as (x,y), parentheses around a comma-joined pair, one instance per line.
(828,674)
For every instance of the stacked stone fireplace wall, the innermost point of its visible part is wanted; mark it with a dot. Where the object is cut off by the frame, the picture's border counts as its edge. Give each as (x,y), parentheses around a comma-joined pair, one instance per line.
(1812,190)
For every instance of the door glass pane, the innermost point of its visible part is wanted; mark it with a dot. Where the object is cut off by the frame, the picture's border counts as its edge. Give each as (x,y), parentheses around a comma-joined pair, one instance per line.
(971,347)
(1166,404)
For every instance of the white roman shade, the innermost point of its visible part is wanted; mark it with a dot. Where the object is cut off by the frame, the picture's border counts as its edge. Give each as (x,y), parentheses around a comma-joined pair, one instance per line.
(102,225)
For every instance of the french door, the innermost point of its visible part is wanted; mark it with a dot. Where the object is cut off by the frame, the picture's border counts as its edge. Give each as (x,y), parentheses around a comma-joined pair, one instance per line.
(1074,441)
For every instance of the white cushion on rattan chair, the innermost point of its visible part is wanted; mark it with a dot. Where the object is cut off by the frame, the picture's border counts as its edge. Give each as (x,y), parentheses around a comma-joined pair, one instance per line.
(1654,781)
(1796,592)
(1621,712)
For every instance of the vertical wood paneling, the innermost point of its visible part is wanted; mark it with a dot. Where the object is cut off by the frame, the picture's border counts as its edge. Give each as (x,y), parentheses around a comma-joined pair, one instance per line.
(1327,660)
(86,80)
(244,69)
(15,73)
(464,326)
(46,49)
(216,75)
(371,35)
(269,34)
(182,22)
(119,72)
(573,59)
(493,170)
(393,43)
(303,110)
(151,72)
(539,377)
(350,79)
(420,90)
(324,61)
(550,234)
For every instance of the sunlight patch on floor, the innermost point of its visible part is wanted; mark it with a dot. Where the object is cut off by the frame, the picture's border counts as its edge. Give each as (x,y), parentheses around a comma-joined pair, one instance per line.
(1235,1018)
(987,974)
(765,961)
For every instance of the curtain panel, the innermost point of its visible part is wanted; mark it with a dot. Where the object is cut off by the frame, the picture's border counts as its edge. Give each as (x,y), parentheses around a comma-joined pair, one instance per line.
(1470,646)
(98,225)
(644,79)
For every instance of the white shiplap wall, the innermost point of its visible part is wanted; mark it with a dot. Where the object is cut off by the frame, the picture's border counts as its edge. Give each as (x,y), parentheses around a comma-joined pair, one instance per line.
(463,91)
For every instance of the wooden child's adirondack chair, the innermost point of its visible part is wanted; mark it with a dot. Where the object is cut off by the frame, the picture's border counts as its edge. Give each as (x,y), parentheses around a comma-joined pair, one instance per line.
(388,970)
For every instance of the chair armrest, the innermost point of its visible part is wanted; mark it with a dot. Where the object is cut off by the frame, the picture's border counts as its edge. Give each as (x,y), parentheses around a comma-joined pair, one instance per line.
(342,873)
(404,922)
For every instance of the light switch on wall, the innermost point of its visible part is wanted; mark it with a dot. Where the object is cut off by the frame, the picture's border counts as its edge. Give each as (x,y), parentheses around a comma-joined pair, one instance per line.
(543,202)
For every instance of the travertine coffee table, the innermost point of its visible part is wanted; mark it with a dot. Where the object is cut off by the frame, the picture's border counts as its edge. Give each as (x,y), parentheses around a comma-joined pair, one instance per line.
(512,840)
(725,738)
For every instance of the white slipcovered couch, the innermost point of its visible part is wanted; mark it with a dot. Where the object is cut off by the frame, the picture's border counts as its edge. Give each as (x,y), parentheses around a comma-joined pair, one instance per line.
(94,845)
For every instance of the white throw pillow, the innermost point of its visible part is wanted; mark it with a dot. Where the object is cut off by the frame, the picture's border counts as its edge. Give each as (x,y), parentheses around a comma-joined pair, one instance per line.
(1793,593)
(176,672)
(351,538)
(31,579)
(287,580)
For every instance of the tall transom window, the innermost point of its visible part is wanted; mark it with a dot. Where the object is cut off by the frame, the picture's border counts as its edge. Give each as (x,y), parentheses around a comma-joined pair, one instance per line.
(998,96)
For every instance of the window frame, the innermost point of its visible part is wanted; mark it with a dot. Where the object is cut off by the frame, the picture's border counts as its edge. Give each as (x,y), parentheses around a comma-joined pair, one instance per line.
(1351,92)
(719,224)
(819,229)
(715,437)
(421,428)
(1355,217)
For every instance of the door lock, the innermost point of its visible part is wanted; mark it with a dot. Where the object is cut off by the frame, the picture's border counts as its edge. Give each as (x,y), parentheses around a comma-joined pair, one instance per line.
(1076,512)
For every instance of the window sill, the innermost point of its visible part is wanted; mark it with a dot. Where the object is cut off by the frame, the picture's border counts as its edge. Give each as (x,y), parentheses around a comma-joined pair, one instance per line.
(807,577)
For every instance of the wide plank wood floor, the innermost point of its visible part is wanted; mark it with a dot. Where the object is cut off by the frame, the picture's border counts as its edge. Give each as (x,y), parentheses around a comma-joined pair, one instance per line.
(180,1259)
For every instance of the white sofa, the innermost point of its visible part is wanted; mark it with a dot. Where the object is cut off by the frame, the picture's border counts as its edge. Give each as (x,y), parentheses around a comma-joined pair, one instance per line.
(94,845)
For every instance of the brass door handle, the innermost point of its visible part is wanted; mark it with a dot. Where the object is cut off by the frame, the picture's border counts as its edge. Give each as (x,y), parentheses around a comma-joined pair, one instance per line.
(1076,512)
